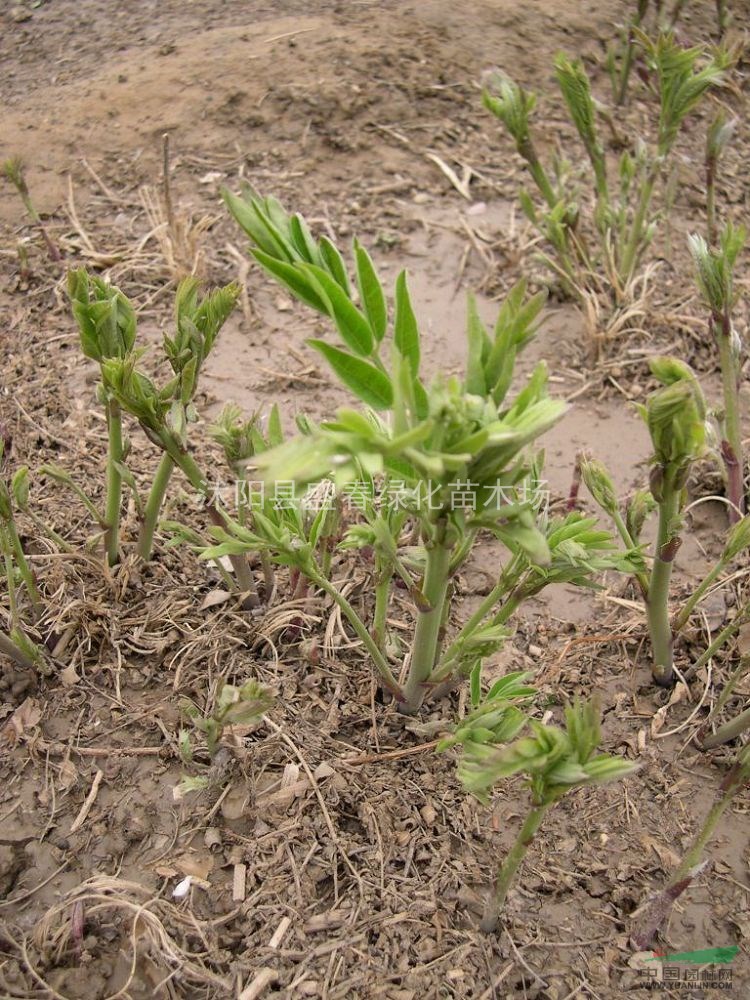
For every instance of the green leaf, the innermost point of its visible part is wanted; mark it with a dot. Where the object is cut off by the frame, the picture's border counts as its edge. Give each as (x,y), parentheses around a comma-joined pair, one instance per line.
(354,328)
(292,278)
(371,293)
(274,433)
(366,381)
(303,240)
(479,345)
(334,264)
(406,333)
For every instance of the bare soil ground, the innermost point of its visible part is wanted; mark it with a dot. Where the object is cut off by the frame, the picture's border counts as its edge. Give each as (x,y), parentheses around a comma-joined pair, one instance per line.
(365,860)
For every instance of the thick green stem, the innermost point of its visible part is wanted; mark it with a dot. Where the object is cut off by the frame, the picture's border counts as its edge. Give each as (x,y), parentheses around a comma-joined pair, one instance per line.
(731,448)
(729,731)
(114,481)
(153,506)
(425,647)
(657,604)
(389,681)
(511,864)
(15,653)
(382,593)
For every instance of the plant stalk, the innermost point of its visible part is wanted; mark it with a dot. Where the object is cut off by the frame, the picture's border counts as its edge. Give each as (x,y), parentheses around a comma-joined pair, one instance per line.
(382,593)
(27,574)
(424,652)
(15,653)
(511,864)
(153,506)
(528,152)
(632,247)
(657,604)
(114,481)
(731,447)
(691,865)
(389,681)
(729,731)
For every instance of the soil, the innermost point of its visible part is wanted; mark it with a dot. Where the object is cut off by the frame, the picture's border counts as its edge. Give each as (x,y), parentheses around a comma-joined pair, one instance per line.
(334,854)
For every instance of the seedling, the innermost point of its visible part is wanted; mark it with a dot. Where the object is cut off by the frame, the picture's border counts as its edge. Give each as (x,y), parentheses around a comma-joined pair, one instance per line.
(553,760)
(197,324)
(234,706)
(676,418)
(715,277)
(13,169)
(107,325)
(108,332)
(446,463)
(658,910)
(620,77)
(623,218)
(14,641)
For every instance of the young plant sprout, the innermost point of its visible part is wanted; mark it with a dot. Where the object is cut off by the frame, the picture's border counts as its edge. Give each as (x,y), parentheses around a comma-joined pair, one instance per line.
(715,277)
(234,706)
(108,332)
(676,418)
(14,641)
(692,864)
(719,135)
(453,456)
(107,325)
(197,324)
(621,76)
(553,760)
(13,169)
(623,216)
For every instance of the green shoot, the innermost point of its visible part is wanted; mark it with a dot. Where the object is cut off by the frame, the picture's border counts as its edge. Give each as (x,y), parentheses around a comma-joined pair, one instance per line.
(621,79)
(14,641)
(197,323)
(715,277)
(553,760)
(233,706)
(107,325)
(658,910)
(675,415)
(13,169)
(455,454)
(623,215)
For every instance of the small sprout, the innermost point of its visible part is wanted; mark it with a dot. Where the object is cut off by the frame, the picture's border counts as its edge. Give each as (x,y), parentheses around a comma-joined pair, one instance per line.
(715,277)
(553,760)
(13,169)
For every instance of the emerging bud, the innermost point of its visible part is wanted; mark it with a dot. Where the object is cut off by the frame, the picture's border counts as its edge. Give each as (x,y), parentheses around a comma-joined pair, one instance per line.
(599,484)
(675,415)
